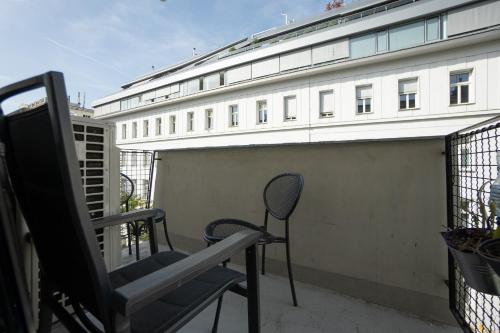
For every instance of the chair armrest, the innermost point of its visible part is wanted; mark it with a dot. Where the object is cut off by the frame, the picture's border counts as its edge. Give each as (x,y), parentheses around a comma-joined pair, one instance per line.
(136,215)
(141,292)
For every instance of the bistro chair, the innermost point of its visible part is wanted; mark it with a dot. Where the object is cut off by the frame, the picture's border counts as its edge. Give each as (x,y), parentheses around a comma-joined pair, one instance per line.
(160,293)
(281,196)
(137,228)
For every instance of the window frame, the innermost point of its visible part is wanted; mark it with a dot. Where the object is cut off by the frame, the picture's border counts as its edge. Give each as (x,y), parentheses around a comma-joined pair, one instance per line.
(209,119)
(124,131)
(172,124)
(134,130)
(407,98)
(459,85)
(266,113)
(190,121)
(326,114)
(234,110)
(158,126)
(287,98)
(364,99)
(145,128)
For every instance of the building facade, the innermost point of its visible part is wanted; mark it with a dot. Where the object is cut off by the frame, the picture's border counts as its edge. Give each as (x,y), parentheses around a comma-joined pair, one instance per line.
(373,70)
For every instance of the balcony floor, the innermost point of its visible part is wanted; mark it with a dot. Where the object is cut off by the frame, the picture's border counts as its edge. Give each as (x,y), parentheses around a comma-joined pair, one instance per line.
(319,310)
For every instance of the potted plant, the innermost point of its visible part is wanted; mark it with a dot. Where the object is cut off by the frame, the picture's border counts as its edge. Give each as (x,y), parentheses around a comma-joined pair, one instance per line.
(463,244)
(490,251)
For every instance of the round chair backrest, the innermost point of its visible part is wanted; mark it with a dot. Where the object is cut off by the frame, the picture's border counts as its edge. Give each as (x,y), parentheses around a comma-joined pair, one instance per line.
(282,194)
(127,189)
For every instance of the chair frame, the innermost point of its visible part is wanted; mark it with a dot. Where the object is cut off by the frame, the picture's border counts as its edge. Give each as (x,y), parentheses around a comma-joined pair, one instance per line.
(286,239)
(115,306)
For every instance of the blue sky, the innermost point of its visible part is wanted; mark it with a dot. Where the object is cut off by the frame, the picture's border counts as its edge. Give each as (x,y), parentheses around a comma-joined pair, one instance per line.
(101,44)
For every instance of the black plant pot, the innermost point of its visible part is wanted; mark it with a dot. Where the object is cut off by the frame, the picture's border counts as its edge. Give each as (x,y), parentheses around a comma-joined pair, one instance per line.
(490,251)
(475,269)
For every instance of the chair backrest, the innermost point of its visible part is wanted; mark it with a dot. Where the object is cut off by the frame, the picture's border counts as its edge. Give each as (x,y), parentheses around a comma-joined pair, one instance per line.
(282,194)
(127,189)
(45,177)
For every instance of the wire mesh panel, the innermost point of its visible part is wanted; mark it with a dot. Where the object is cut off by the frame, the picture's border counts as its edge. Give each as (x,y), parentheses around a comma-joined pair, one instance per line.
(138,166)
(471,170)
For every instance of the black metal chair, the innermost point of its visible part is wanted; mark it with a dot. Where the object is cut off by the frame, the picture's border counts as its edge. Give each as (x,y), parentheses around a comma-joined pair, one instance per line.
(137,228)
(159,293)
(281,196)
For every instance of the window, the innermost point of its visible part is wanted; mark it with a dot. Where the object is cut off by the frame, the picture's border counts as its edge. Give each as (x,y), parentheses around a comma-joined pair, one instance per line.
(124,131)
(326,103)
(158,126)
(408,94)
(364,99)
(459,87)
(145,159)
(123,160)
(190,121)
(432,29)
(222,78)
(407,35)
(134,130)
(145,128)
(234,118)
(382,41)
(363,46)
(465,158)
(209,119)
(290,104)
(171,128)
(133,159)
(262,112)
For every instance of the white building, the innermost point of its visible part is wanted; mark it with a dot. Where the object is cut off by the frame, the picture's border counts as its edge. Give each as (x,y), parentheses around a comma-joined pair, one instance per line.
(372,70)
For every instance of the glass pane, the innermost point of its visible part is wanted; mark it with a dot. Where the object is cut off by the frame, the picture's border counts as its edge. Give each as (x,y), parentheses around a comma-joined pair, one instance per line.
(402,102)
(464,94)
(463,77)
(453,95)
(382,41)
(453,78)
(411,101)
(432,29)
(363,46)
(360,106)
(368,105)
(407,36)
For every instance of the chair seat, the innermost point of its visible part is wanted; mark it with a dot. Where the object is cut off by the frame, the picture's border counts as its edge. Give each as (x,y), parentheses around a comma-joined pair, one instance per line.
(223,228)
(171,308)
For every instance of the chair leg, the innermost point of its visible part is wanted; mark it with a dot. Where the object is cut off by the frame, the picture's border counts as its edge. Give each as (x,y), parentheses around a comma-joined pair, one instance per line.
(44,318)
(263,268)
(217,315)
(253,292)
(290,275)
(137,234)
(166,234)
(129,240)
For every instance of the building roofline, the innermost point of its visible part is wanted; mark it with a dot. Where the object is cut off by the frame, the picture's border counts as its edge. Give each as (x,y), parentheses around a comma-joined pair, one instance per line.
(176,67)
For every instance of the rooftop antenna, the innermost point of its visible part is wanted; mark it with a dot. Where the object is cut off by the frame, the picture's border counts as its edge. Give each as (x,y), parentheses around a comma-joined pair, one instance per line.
(153,68)
(84,99)
(286,17)
(78,98)
(194,51)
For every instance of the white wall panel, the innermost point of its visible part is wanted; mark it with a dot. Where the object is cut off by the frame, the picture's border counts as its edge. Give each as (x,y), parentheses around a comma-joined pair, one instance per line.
(295,60)
(265,67)
(239,74)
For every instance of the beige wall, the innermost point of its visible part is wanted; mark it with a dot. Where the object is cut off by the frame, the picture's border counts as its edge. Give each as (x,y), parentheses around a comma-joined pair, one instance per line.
(367,224)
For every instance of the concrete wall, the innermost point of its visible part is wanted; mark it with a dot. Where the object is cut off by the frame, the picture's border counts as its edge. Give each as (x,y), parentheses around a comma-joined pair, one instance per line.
(367,224)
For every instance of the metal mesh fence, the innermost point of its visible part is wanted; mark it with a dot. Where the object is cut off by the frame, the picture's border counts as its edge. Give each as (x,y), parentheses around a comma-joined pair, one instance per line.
(137,172)
(471,168)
